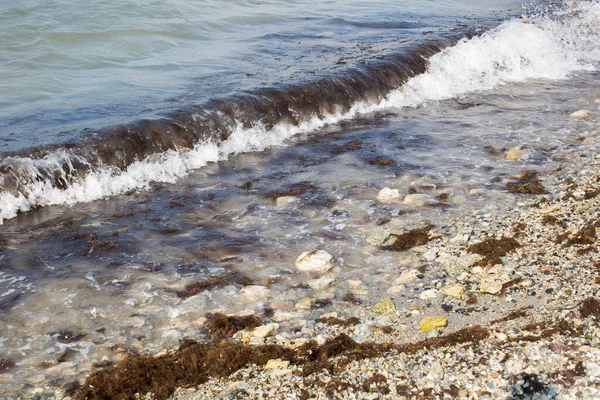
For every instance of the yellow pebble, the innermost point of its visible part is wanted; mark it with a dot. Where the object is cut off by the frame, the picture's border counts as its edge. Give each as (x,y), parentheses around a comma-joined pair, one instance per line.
(277,363)
(430,323)
(549,210)
(385,306)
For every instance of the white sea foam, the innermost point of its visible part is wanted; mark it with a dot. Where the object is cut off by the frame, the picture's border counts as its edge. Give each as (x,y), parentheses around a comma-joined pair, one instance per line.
(518,50)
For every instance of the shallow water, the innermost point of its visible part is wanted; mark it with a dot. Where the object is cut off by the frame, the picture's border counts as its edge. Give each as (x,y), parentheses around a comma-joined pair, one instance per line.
(123,297)
(110,267)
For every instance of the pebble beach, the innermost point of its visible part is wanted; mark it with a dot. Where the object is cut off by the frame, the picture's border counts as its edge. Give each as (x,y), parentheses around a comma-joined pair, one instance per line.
(538,308)
(510,308)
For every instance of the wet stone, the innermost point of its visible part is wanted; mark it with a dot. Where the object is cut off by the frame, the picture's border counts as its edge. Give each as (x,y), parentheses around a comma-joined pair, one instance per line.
(322,283)
(284,201)
(387,195)
(264,330)
(306,303)
(407,276)
(416,199)
(255,292)
(514,153)
(315,261)
(581,114)
(281,315)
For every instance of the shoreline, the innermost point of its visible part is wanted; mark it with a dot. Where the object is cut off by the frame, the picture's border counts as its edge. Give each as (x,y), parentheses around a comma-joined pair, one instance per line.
(538,333)
(441,242)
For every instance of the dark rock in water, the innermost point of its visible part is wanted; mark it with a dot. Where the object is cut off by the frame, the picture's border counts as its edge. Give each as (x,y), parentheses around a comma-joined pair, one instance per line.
(6,364)
(309,194)
(72,388)
(68,336)
(336,321)
(211,282)
(94,244)
(9,300)
(352,145)
(380,161)
(67,355)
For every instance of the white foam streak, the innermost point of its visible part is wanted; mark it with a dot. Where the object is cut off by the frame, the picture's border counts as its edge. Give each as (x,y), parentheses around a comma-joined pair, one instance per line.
(516,51)
(166,167)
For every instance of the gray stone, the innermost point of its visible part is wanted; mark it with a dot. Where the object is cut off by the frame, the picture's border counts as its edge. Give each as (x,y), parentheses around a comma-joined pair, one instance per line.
(416,199)
(322,283)
(581,114)
(431,254)
(257,340)
(436,371)
(429,294)
(458,199)
(454,290)
(407,276)
(455,265)
(286,201)
(306,303)
(255,292)
(281,316)
(264,330)
(381,237)
(490,284)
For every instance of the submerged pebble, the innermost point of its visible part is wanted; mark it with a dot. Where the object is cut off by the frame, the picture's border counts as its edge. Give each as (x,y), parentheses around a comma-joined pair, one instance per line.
(581,114)
(315,261)
(387,195)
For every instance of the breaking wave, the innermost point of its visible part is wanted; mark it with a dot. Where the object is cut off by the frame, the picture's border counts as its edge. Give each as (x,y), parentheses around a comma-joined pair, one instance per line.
(134,156)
